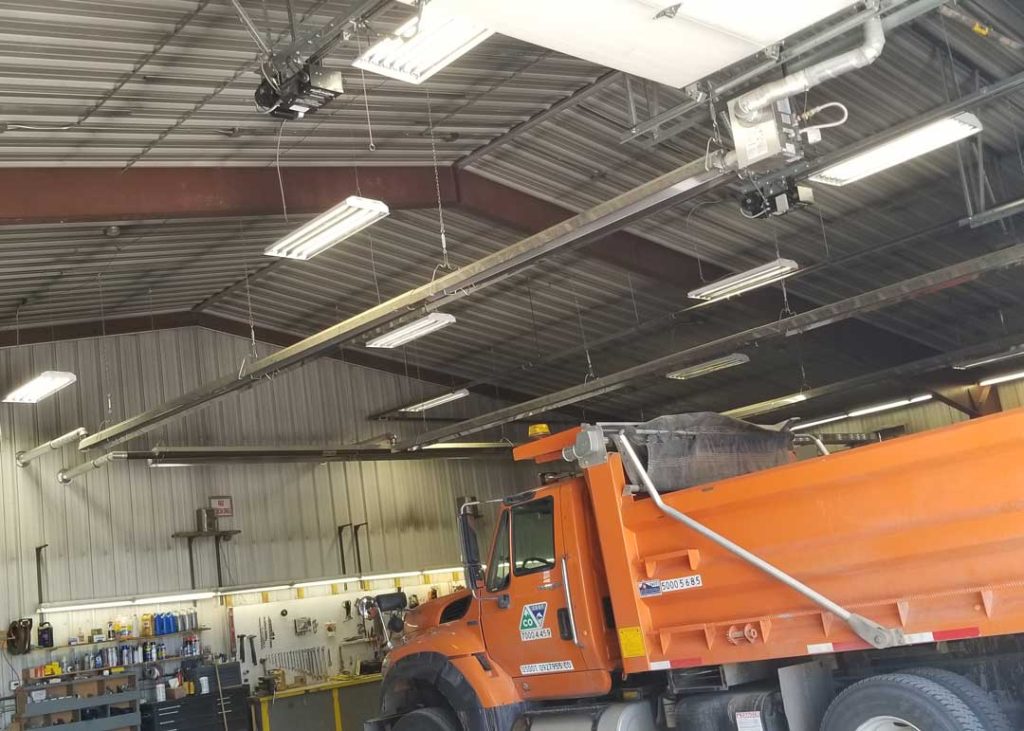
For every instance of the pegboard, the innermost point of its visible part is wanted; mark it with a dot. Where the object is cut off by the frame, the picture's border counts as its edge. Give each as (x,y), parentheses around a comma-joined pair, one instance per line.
(320,652)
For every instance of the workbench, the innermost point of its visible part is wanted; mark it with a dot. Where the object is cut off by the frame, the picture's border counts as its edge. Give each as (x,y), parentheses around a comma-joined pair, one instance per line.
(341,704)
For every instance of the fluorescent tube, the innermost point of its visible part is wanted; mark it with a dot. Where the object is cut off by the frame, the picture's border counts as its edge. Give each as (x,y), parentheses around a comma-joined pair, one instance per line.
(819,422)
(413,331)
(702,369)
(1002,379)
(399,575)
(745,281)
(889,406)
(421,47)
(760,408)
(194,597)
(906,147)
(42,386)
(1015,352)
(82,607)
(257,590)
(453,570)
(435,402)
(346,219)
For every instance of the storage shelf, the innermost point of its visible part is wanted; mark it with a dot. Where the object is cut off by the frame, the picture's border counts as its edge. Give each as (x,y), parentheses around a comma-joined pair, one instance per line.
(63,705)
(122,640)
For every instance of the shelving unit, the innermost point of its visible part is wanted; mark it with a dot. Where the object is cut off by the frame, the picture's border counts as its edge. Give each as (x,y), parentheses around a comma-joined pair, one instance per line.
(80,702)
(118,641)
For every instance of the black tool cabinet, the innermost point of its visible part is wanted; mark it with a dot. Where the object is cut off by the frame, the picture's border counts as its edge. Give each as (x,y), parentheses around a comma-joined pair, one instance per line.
(200,712)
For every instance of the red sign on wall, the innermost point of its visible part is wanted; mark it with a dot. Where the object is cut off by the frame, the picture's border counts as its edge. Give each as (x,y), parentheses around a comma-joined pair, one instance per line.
(223,506)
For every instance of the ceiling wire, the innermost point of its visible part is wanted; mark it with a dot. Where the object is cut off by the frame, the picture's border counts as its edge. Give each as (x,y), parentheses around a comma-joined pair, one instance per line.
(445,263)
(280,178)
(366,97)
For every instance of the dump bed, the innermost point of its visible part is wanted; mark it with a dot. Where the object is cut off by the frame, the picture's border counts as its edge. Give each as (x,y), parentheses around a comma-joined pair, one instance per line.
(924,533)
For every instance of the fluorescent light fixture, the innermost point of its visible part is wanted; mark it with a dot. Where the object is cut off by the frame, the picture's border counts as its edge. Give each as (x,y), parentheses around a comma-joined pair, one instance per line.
(193,597)
(906,147)
(760,408)
(446,398)
(1002,379)
(413,331)
(702,369)
(257,590)
(1015,352)
(61,608)
(346,219)
(425,44)
(469,445)
(42,386)
(819,422)
(745,281)
(889,406)
(399,575)
(453,570)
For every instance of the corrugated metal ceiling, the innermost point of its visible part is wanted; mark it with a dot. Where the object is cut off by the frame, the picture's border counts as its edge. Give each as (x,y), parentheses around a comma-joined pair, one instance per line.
(58,57)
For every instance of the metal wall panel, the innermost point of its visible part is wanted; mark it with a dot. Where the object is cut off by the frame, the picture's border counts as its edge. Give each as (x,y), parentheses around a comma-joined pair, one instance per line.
(109,533)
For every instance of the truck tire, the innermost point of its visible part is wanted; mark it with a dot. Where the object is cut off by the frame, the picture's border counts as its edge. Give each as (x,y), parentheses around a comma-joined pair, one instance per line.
(427,719)
(899,702)
(974,696)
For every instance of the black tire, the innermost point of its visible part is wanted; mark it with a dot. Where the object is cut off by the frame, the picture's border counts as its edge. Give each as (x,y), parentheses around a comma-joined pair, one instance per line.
(913,700)
(974,696)
(427,719)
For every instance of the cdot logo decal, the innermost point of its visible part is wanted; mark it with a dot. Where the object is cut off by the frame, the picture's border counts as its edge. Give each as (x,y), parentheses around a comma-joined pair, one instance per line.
(531,624)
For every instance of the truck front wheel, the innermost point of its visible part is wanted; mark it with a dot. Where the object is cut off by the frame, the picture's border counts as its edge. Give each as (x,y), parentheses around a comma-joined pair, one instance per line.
(427,719)
(899,702)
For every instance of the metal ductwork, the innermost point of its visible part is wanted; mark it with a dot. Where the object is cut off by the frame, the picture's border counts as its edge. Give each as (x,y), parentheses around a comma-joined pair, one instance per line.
(66,476)
(752,106)
(23,458)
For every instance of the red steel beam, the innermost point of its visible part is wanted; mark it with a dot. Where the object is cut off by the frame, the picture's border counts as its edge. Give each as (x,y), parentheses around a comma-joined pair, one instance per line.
(45,195)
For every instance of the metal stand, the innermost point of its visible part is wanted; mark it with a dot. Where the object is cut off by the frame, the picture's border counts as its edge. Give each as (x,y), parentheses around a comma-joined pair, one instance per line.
(218,536)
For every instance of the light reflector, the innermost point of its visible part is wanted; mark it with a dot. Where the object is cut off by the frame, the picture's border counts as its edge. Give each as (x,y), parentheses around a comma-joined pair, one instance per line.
(702,369)
(1014,352)
(1002,379)
(906,147)
(42,386)
(446,398)
(745,281)
(760,408)
(878,408)
(424,45)
(346,219)
(413,331)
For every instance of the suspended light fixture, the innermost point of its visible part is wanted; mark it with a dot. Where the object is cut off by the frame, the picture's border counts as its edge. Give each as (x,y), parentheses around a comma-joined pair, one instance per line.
(446,398)
(1014,352)
(876,409)
(346,219)
(915,143)
(413,331)
(702,369)
(762,407)
(890,406)
(745,281)
(424,45)
(193,597)
(1002,379)
(42,386)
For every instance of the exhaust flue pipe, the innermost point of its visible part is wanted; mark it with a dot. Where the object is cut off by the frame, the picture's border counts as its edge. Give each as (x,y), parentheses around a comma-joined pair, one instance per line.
(751,107)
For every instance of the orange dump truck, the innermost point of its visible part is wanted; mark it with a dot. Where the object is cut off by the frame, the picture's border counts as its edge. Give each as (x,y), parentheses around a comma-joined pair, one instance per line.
(876,589)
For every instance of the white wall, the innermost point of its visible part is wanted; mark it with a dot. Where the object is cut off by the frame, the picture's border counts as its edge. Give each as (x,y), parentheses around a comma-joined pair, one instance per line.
(109,533)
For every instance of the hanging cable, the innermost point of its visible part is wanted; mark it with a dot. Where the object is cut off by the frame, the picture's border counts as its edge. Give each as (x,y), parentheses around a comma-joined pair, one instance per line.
(366,97)
(280,178)
(445,264)
(814,111)
(103,351)
(369,232)
(252,320)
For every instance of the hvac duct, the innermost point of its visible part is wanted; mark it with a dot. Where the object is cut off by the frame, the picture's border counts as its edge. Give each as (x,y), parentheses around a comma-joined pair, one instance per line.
(751,106)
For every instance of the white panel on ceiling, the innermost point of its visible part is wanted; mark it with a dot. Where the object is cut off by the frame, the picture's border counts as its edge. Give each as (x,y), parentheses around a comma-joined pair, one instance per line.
(703,37)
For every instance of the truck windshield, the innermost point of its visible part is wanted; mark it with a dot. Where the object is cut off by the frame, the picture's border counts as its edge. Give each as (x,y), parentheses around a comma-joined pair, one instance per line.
(500,564)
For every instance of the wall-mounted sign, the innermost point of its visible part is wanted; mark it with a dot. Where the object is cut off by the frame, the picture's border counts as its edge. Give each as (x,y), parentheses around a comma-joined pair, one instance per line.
(223,506)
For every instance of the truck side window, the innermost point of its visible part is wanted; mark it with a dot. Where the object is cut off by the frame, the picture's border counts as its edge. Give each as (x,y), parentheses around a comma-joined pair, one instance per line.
(533,536)
(498,570)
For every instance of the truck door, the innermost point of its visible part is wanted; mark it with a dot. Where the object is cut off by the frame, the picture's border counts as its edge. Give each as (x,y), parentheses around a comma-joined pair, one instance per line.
(535,626)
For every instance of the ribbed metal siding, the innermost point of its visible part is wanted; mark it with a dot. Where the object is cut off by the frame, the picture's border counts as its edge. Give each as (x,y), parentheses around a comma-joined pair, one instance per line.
(109,533)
